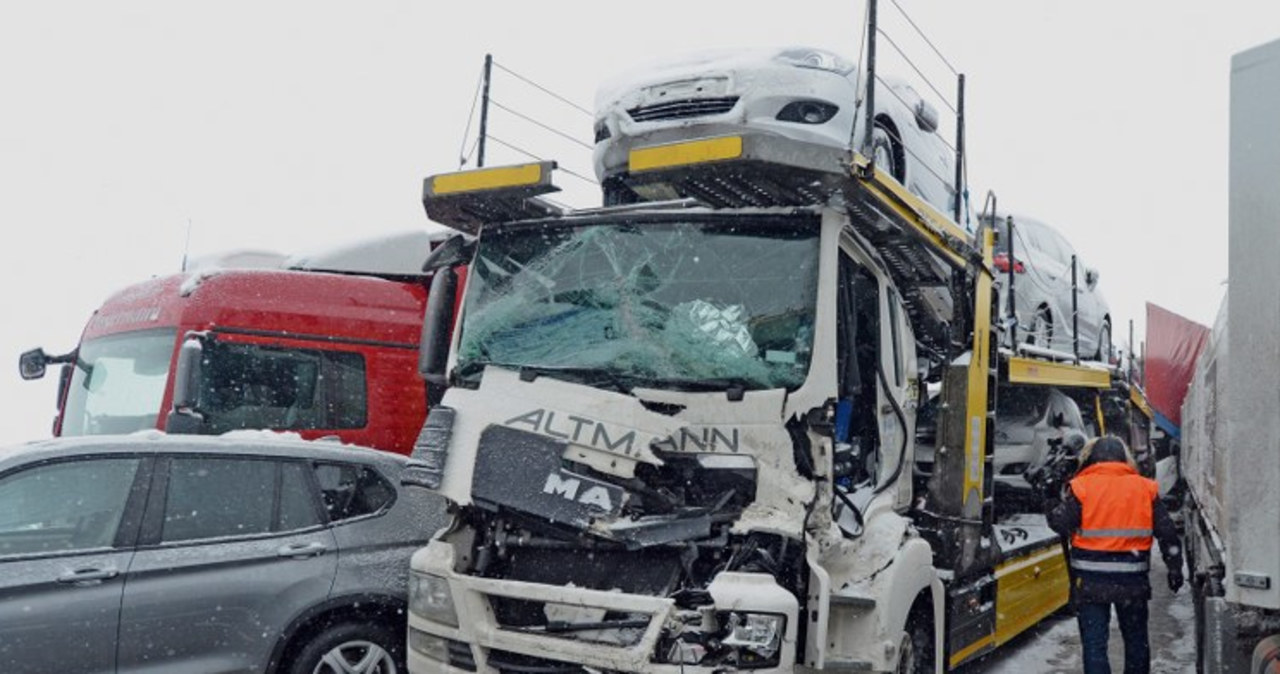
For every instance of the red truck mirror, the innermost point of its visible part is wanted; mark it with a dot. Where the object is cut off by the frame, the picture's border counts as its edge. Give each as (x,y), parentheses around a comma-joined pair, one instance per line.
(31,364)
(184,415)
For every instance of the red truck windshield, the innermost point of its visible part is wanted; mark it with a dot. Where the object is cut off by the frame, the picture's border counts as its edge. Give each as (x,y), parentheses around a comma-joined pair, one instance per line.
(118,383)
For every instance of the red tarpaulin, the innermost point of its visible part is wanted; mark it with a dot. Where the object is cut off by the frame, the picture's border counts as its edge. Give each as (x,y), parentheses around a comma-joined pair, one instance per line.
(1173,345)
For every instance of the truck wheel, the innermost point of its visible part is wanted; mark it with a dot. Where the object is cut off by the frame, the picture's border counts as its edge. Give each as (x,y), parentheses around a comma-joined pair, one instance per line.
(352,648)
(916,652)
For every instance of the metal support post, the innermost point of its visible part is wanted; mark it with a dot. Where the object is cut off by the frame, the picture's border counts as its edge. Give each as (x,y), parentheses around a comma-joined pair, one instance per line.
(1013,308)
(484,109)
(871,80)
(960,155)
(1075,312)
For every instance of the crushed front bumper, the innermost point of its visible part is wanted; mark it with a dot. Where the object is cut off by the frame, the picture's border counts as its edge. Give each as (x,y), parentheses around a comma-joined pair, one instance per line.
(482,643)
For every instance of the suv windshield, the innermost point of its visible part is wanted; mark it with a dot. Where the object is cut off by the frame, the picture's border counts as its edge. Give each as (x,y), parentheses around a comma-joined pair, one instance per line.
(118,383)
(686,303)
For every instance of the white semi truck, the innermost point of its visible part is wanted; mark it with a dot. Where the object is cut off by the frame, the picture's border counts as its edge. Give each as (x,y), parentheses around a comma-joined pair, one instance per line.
(1230,427)
(678,436)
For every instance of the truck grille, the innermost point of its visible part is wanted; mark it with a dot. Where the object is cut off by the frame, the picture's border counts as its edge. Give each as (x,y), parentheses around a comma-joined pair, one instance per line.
(692,107)
(522,614)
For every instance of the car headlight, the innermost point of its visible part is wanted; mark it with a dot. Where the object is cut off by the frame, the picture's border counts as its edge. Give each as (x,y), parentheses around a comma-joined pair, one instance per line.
(819,59)
(430,598)
(602,131)
(757,633)
(429,645)
(808,112)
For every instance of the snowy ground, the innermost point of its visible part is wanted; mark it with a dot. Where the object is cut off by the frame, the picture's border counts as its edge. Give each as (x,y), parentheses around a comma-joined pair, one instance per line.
(1054,648)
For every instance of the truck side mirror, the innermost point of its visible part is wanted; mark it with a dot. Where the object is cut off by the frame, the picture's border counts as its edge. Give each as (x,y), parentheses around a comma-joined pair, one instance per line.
(433,349)
(184,415)
(455,250)
(31,364)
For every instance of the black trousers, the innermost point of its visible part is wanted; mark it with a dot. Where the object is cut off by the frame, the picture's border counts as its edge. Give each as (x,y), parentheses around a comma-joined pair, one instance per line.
(1094,619)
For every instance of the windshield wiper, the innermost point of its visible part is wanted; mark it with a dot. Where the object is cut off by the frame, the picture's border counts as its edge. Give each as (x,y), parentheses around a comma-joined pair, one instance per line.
(588,376)
(734,387)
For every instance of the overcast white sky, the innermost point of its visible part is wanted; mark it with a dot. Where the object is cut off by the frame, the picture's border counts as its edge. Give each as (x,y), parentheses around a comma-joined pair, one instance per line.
(294,125)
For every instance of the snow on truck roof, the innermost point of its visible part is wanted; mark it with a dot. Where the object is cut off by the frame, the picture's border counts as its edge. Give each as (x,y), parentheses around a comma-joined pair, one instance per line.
(397,255)
(392,255)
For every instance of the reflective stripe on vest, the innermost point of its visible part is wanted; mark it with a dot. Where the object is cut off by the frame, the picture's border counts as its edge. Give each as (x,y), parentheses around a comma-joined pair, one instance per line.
(1116,508)
(1109,567)
(1115,533)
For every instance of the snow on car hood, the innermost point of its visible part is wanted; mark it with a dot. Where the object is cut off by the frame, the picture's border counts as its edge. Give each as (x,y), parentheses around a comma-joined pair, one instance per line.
(693,65)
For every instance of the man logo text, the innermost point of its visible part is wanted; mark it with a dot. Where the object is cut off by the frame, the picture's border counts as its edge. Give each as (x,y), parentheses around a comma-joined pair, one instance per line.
(568,488)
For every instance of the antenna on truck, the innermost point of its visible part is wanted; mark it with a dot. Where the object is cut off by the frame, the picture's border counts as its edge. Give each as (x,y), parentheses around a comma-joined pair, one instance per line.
(186,246)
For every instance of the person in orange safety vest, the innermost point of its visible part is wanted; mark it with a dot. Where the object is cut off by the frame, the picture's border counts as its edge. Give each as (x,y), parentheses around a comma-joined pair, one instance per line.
(1111,514)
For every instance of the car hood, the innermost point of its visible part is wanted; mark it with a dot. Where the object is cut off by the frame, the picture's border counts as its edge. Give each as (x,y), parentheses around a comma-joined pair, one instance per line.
(691,66)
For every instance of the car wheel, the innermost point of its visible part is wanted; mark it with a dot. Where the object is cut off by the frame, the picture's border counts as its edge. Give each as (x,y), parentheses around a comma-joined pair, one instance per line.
(352,648)
(1104,343)
(886,151)
(1041,332)
(915,654)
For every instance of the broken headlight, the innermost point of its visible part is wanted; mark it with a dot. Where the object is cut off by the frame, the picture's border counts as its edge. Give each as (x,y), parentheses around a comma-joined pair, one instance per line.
(757,637)
(431,598)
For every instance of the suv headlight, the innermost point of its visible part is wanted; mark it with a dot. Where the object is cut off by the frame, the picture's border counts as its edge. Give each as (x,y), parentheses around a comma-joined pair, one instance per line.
(815,58)
(430,598)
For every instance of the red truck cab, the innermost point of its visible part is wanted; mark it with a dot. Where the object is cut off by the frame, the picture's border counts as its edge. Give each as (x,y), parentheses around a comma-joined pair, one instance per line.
(317,353)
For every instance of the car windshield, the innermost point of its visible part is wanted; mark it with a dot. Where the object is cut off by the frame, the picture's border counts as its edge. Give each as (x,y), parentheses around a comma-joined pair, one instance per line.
(690,304)
(118,383)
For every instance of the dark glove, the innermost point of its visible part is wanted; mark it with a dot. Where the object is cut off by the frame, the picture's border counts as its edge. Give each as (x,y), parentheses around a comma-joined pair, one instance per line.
(1175,580)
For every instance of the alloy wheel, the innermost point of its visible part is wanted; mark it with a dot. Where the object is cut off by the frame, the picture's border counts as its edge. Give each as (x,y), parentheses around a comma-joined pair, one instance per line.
(356,657)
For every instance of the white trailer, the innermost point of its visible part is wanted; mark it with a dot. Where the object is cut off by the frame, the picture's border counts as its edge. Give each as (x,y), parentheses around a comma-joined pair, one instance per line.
(1231,428)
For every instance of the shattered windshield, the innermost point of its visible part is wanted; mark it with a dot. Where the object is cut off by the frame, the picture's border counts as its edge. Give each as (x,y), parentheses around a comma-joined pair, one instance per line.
(118,383)
(690,304)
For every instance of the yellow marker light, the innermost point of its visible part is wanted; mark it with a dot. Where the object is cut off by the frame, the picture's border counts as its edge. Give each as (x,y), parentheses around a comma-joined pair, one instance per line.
(682,154)
(487,179)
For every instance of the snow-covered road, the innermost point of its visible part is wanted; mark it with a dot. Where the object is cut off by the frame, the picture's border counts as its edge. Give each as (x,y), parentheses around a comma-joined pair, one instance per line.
(1054,647)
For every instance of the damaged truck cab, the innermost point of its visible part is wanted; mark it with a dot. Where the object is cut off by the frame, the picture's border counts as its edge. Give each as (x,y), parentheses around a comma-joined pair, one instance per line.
(674,436)
(678,434)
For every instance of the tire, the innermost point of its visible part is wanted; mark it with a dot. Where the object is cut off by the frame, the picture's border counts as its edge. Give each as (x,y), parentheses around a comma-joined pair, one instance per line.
(1041,332)
(916,654)
(1104,343)
(365,648)
(886,151)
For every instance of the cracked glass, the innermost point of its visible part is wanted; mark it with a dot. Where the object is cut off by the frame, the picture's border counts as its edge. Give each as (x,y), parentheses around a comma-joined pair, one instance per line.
(682,303)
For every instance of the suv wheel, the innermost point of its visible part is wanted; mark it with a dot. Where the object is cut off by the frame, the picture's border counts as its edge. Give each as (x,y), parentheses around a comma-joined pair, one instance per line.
(352,648)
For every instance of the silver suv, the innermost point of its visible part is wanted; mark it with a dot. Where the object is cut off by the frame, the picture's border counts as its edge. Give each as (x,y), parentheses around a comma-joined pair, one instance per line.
(247,552)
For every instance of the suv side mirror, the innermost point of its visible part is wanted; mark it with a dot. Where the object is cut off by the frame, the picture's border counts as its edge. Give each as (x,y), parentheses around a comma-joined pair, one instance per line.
(1091,277)
(31,364)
